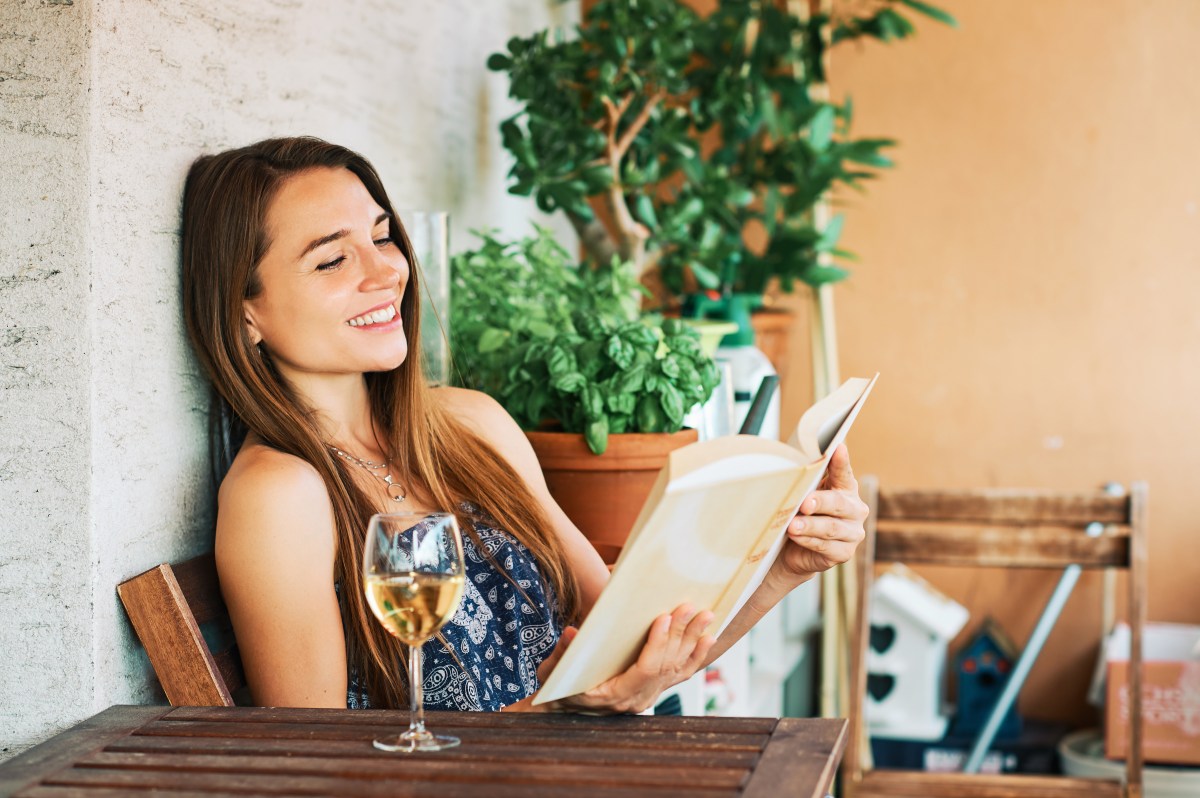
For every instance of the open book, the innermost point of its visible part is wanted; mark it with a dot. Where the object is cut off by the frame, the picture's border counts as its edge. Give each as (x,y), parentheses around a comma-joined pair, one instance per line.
(709,531)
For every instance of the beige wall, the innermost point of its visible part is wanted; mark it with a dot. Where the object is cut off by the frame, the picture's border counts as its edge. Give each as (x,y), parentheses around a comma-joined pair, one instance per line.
(1028,283)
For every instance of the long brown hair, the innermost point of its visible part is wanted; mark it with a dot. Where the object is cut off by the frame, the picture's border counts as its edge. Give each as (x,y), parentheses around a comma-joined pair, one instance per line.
(224,238)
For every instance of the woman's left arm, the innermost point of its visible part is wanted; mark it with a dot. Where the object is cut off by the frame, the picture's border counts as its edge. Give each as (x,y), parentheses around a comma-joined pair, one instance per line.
(823,534)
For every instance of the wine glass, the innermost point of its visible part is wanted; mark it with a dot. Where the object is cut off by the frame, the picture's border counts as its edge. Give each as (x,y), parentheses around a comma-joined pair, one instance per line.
(413,575)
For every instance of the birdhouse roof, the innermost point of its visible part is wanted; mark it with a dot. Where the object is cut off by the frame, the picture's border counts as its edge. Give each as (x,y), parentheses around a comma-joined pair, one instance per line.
(921,602)
(991,632)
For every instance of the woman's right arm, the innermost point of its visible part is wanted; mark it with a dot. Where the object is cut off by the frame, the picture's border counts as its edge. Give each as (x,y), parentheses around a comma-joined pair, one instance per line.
(275,555)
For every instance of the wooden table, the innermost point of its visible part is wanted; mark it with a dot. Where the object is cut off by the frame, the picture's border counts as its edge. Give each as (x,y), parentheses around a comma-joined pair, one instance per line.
(238,750)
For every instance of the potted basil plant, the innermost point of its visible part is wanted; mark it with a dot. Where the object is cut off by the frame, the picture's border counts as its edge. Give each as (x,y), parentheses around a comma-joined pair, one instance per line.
(601,390)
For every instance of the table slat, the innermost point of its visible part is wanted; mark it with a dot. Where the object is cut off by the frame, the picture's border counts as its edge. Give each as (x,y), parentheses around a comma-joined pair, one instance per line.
(811,769)
(487,720)
(292,784)
(431,767)
(104,792)
(565,750)
(64,748)
(608,738)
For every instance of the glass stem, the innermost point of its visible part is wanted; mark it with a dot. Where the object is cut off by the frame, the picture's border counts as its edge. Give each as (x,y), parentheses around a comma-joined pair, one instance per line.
(416,691)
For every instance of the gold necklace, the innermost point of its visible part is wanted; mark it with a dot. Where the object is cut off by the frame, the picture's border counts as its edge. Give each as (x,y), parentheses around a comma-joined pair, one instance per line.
(395,490)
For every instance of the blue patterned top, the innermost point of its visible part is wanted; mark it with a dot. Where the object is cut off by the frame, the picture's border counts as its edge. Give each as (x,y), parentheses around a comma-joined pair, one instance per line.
(499,634)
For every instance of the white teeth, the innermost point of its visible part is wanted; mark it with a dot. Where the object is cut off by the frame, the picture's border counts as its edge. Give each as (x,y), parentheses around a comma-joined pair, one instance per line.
(375,317)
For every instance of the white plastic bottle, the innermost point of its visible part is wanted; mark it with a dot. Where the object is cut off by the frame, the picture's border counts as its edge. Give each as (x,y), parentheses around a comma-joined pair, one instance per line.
(749,366)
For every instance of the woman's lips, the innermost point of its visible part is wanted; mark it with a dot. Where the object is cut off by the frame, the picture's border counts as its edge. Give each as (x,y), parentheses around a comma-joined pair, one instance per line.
(376,317)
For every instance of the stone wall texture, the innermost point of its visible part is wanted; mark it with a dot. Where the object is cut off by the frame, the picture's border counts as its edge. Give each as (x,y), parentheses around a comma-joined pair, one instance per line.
(103,104)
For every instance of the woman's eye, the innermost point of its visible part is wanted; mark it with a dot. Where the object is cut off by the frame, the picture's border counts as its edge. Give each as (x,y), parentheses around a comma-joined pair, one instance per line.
(384,242)
(333,264)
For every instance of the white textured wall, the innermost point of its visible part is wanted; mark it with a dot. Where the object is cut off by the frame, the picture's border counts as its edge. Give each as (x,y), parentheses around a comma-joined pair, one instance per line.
(103,104)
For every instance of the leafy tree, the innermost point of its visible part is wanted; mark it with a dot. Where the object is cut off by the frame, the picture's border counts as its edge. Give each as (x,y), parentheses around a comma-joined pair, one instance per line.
(685,131)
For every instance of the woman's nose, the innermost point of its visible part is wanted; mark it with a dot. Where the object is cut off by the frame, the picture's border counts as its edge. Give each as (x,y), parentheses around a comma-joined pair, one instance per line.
(382,271)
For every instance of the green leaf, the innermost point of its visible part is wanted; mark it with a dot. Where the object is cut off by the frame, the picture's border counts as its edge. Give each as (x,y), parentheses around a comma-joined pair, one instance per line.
(711,234)
(620,351)
(771,210)
(672,403)
(630,381)
(498,62)
(560,362)
(831,233)
(892,25)
(623,404)
(542,329)
(571,382)
(534,406)
(690,211)
(492,339)
(649,415)
(596,435)
(816,275)
(645,211)
(705,276)
(933,12)
(592,401)
(820,132)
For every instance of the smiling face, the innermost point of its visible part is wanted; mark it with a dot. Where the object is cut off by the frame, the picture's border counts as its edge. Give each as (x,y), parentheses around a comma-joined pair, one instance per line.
(331,280)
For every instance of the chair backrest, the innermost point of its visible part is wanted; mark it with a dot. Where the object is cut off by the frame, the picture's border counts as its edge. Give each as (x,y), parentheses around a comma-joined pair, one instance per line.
(1008,529)
(167,606)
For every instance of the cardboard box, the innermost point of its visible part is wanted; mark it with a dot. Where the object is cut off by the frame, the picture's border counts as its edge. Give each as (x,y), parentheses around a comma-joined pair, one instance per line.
(1170,693)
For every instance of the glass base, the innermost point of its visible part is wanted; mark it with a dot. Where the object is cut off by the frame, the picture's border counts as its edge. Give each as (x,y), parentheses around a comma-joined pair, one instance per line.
(412,742)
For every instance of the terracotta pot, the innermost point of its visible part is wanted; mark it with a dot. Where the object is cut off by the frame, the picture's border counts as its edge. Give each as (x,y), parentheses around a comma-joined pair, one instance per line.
(603,494)
(772,334)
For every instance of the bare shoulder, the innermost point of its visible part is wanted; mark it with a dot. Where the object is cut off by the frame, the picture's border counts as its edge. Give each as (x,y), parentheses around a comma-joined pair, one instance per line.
(269,497)
(484,416)
(481,413)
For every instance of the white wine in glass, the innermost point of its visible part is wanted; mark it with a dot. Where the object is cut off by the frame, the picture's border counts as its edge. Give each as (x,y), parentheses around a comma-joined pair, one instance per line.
(413,575)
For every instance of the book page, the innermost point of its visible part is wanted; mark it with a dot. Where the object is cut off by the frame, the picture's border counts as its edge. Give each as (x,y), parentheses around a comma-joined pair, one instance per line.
(817,432)
(826,424)
(689,547)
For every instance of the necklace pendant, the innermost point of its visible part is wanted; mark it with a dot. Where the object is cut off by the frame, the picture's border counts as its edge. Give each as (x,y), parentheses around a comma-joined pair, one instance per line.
(395,491)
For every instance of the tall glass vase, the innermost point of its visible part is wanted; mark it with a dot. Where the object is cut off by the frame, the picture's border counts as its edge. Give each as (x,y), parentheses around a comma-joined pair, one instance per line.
(429,232)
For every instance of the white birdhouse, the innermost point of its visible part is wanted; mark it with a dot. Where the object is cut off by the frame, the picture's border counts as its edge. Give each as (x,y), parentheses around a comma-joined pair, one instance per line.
(912,624)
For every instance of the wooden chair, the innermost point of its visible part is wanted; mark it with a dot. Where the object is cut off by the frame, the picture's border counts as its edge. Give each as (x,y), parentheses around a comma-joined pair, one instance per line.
(167,606)
(997,528)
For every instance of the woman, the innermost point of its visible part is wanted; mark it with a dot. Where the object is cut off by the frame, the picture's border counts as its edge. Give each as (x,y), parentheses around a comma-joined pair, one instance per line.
(301,302)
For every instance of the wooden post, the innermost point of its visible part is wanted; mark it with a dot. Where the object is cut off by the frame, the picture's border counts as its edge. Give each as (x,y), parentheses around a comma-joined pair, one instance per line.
(837,584)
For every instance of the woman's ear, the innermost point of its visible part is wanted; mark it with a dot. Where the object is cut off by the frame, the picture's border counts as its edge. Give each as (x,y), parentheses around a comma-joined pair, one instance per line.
(251,326)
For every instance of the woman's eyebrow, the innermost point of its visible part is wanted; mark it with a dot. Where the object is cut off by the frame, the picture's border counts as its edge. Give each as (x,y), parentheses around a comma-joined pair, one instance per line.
(318,242)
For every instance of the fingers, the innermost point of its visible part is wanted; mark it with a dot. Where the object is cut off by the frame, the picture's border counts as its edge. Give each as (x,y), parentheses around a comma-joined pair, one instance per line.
(831,527)
(830,504)
(700,653)
(832,552)
(838,496)
(840,476)
(675,648)
(672,639)
(654,651)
